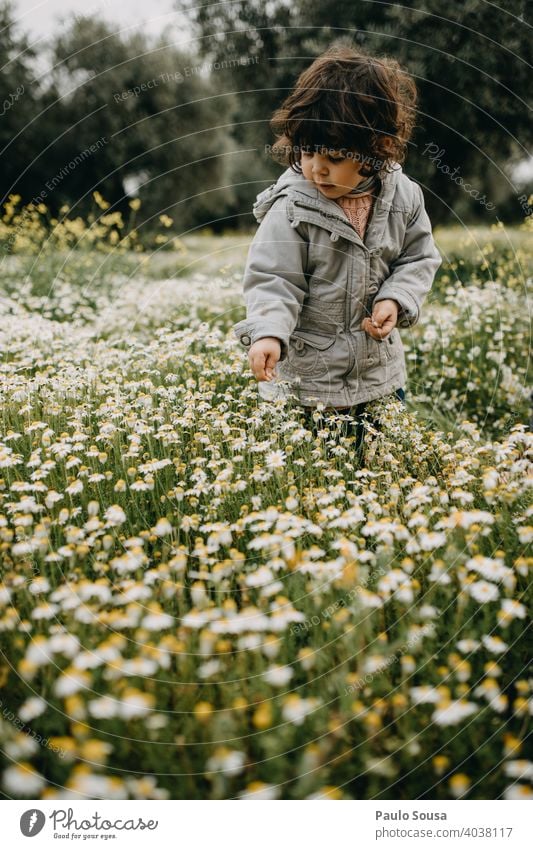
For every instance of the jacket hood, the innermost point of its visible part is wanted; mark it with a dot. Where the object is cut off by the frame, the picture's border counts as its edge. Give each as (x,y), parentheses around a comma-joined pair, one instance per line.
(290,182)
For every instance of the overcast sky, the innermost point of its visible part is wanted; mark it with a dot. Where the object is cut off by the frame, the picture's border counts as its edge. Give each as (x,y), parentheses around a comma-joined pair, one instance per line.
(41,18)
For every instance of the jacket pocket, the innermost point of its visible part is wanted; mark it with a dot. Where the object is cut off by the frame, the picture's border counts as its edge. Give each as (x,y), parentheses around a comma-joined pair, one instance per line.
(306,351)
(385,353)
(376,353)
(394,346)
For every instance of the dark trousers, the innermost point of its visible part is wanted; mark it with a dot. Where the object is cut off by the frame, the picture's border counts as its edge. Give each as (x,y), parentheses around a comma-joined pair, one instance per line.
(356,415)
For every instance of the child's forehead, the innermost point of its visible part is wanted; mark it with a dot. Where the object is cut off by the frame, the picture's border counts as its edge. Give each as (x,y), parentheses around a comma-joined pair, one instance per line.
(324,136)
(326,148)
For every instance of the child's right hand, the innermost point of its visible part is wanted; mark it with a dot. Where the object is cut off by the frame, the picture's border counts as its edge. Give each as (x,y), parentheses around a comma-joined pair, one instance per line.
(263,356)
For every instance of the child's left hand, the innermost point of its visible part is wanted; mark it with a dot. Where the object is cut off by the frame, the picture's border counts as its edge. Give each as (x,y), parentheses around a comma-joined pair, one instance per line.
(383,320)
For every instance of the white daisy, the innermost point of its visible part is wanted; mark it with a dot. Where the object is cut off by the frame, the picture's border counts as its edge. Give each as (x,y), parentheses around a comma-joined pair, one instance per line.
(227,761)
(519,769)
(494,644)
(157,621)
(512,609)
(482,591)
(278,676)
(453,712)
(23,780)
(31,708)
(115,515)
(424,694)
(518,792)
(468,645)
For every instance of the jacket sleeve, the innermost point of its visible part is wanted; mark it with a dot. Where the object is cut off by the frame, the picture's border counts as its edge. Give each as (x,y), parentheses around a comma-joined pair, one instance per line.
(413,272)
(274,282)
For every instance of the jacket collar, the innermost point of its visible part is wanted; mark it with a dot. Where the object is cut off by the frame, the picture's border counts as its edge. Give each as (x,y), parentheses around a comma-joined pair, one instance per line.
(308,203)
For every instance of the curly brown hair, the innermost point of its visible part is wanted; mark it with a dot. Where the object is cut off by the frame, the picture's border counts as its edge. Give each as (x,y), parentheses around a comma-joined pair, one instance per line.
(348,100)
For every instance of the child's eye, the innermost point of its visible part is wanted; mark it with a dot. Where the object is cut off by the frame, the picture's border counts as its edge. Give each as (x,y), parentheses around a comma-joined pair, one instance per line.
(336,158)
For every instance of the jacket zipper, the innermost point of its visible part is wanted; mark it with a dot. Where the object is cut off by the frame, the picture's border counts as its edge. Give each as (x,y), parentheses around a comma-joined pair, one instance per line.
(368,253)
(347,303)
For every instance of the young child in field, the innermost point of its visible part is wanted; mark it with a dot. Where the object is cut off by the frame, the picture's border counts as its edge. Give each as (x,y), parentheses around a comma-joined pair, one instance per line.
(344,252)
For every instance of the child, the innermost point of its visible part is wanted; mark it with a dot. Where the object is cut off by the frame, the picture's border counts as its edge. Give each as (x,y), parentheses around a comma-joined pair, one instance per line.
(344,253)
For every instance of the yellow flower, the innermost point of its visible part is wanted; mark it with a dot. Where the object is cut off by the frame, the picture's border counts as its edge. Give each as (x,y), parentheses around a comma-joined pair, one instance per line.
(408,663)
(342,615)
(463,670)
(349,577)
(260,790)
(440,763)
(307,657)
(66,747)
(373,721)
(79,729)
(26,668)
(271,645)
(135,204)
(103,204)
(511,745)
(203,711)
(95,751)
(520,706)
(334,725)
(330,792)
(75,707)
(262,717)
(166,221)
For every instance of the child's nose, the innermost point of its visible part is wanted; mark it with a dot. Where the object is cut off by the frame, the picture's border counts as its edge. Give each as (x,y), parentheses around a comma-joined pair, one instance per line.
(319,166)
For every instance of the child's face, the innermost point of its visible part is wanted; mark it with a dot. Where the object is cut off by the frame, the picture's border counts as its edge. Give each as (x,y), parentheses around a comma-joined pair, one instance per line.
(334,172)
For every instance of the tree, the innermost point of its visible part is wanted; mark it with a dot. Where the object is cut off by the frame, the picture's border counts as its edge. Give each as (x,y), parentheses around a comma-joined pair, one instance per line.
(112,112)
(159,118)
(21,100)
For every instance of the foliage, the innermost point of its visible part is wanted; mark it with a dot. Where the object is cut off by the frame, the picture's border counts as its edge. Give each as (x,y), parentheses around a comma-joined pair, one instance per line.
(114,110)
(470,61)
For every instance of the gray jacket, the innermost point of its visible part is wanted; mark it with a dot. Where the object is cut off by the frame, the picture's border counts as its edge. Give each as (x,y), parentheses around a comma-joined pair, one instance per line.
(310,280)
